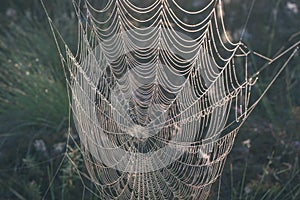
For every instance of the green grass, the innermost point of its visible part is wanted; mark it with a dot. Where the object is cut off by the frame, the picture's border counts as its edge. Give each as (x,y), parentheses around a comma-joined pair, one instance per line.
(32,88)
(33,106)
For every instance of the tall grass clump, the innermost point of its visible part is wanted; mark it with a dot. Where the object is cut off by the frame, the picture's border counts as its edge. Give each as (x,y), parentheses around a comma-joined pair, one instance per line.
(34,106)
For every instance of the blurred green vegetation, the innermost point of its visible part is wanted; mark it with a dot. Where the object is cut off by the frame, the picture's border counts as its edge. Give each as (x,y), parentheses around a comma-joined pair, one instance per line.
(34,104)
(264,163)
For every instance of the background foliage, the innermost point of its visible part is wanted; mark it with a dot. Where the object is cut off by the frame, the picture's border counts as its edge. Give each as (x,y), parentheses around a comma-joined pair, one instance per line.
(264,163)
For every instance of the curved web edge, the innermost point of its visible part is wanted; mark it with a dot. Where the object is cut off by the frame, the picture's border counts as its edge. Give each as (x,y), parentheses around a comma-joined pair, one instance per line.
(270,61)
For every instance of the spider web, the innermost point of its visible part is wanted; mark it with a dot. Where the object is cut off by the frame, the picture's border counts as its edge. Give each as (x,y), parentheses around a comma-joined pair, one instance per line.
(158,93)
